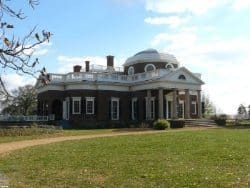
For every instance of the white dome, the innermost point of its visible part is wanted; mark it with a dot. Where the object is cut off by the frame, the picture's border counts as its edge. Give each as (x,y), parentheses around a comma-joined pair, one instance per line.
(150,55)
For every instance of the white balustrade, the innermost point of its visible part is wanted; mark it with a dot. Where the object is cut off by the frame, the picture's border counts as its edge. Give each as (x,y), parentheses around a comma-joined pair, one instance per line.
(107,77)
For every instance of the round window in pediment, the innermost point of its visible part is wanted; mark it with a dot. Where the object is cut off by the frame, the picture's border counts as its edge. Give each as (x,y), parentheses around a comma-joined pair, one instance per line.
(182,77)
(149,68)
(131,70)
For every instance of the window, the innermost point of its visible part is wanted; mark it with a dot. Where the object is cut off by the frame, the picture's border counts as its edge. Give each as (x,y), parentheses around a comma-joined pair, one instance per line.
(131,70)
(114,108)
(90,105)
(193,107)
(169,66)
(76,107)
(134,108)
(149,68)
(182,77)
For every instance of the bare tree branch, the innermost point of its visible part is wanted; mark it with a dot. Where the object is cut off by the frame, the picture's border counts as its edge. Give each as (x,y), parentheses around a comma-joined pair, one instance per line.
(16,53)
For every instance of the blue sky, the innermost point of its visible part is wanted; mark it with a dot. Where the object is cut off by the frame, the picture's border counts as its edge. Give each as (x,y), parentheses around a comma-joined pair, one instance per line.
(210,37)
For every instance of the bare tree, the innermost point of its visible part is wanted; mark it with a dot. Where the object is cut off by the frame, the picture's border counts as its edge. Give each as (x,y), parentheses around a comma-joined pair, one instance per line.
(15,51)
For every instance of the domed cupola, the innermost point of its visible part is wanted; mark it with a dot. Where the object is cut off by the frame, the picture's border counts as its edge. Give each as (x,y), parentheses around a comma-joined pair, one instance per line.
(149,60)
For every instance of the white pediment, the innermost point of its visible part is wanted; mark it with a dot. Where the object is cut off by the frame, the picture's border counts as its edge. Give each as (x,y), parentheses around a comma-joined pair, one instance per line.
(183,75)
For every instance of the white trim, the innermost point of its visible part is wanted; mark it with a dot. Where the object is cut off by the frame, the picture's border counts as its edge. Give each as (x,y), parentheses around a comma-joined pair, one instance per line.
(114,99)
(146,66)
(66,109)
(193,92)
(73,105)
(169,64)
(195,110)
(181,102)
(134,99)
(151,111)
(92,100)
(131,70)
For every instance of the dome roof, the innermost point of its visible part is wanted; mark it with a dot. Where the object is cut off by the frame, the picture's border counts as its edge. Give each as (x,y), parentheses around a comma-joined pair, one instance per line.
(150,55)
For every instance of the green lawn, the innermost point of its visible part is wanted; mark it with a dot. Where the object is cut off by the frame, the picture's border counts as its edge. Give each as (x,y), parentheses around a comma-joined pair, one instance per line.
(205,158)
(36,133)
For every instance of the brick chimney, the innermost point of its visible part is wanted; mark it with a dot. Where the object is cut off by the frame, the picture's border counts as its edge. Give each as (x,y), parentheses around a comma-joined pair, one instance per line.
(110,61)
(77,68)
(87,66)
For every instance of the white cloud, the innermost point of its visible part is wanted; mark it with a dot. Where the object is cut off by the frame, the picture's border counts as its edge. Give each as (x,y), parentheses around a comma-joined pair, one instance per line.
(13,81)
(39,50)
(240,4)
(178,6)
(172,21)
(223,64)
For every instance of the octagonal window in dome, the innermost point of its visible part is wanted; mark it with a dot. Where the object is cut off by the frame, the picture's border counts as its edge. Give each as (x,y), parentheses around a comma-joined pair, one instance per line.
(131,70)
(149,68)
(169,66)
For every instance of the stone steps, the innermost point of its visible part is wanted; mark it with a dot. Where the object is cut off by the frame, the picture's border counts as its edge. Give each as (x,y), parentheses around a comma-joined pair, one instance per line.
(200,122)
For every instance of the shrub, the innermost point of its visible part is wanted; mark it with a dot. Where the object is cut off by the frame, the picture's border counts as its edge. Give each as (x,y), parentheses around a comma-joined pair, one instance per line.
(221,119)
(160,124)
(176,123)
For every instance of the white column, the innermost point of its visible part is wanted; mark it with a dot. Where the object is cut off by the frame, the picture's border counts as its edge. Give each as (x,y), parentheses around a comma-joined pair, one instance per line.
(148,105)
(187,104)
(174,104)
(160,103)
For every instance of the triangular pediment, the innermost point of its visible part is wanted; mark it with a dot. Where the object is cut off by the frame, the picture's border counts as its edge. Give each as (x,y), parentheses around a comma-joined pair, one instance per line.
(183,75)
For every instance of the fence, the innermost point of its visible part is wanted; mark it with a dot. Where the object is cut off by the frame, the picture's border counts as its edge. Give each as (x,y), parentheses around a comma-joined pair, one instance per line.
(21,118)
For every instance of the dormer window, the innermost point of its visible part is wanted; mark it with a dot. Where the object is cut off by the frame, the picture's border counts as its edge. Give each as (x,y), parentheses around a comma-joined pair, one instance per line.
(149,68)
(131,70)
(182,77)
(169,66)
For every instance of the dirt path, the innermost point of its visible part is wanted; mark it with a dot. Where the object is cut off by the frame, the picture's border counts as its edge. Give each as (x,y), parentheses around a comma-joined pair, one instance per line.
(11,146)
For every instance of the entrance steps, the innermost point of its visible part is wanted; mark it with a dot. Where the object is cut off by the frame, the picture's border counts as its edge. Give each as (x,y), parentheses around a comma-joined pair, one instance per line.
(200,122)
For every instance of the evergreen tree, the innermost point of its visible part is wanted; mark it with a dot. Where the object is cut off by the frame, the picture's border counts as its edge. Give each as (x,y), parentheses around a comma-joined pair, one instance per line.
(242,112)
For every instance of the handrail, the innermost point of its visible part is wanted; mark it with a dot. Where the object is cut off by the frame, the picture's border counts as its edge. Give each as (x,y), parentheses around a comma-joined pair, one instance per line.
(108,77)
(18,118)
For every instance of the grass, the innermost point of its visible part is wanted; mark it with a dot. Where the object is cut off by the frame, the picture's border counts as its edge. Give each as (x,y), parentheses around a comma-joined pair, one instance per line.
(208,158)
(18,134)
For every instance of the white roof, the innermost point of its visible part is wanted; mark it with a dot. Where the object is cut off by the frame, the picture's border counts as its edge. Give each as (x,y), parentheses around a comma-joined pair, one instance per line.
(150,55)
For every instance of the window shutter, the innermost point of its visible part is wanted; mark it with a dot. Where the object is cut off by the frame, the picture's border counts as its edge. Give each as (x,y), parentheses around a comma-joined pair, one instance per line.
(95,106)
(120,109)
(83,105)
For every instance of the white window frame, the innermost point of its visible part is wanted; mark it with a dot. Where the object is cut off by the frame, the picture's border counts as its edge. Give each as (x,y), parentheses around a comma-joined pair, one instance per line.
(181,102)
(73,105)
(131,70)
(114,99)
(195,110)
(92,100)
(145,68)
(134,100)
